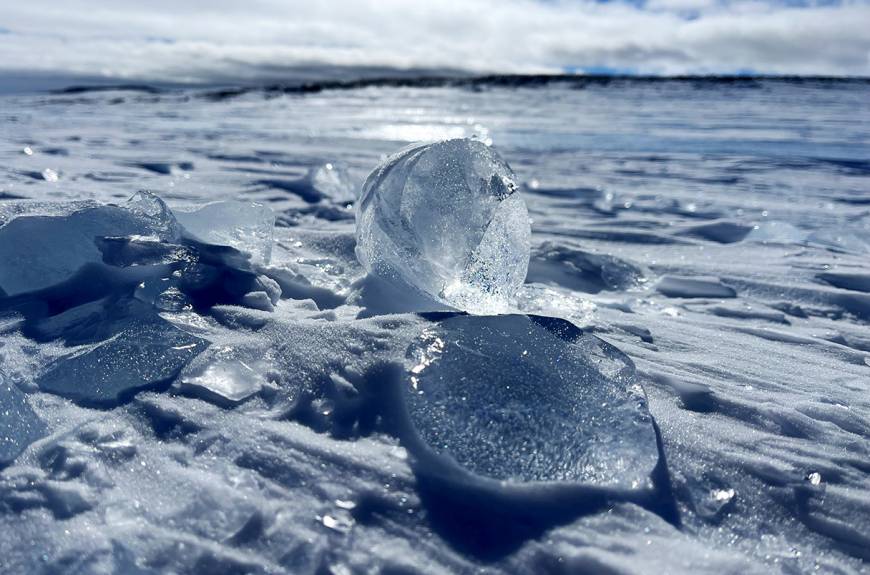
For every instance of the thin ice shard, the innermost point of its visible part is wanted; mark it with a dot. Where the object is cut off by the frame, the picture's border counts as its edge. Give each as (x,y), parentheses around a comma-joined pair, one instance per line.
(39,251)
(19,425)
(245,226)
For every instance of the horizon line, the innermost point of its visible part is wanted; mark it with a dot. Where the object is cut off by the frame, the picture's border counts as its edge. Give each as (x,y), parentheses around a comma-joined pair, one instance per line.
(424,80)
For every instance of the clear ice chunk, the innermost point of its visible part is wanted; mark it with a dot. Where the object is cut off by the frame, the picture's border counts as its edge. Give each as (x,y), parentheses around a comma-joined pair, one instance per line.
(333,182)
(246,226)
(38,251)
(223,378)
(527,399)
(151,208)
(446,219)
(147,352)
(19,425)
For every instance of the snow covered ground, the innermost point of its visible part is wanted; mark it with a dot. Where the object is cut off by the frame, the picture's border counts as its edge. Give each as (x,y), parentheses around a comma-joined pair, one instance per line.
(170,405)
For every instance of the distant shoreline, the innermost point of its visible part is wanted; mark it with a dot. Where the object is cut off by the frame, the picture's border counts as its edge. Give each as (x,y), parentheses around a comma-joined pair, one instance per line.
(473,82)
(70,85)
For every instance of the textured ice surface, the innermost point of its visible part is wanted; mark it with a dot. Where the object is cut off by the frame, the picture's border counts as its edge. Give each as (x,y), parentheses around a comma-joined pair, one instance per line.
(19,425)
(521,399)
(149,351)
(245,226)
(447,219)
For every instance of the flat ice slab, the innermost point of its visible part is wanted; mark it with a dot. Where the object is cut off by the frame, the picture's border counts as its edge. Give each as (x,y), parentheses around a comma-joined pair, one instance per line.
(19,425)
(223,380)
(38,251)
(526,399)
(673,286)
(147,352)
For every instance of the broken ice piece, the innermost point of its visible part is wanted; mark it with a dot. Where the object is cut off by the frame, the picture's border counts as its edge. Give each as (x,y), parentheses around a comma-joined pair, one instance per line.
(245,226)
(151,207)
(526,399)
(258,300)
(776,232)
(19,425)
(447,220)
(223,381)
(40,251)
(146,353)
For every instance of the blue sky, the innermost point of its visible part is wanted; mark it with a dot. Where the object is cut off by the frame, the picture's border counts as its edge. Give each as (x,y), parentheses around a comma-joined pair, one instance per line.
(258,40)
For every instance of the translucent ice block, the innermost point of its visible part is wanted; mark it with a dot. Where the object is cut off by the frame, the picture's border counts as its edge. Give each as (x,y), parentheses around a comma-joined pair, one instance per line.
(447,220)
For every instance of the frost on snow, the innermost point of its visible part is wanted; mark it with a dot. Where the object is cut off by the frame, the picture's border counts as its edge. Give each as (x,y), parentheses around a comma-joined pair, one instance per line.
(446,219)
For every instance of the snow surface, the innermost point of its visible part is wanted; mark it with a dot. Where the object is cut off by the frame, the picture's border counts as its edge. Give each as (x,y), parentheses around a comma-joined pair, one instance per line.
(709,239)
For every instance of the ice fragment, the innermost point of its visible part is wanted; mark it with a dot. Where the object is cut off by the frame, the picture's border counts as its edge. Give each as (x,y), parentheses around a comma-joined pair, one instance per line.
(447,219)
(19,425)
(145,353)
(522,399)
(245,226)
(39,251)
(333,182)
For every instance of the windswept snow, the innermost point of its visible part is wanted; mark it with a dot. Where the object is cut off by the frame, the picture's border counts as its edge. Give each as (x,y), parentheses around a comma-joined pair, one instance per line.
(694,396)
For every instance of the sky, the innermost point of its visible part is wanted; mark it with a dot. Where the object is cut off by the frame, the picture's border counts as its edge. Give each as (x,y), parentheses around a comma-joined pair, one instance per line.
(219,41)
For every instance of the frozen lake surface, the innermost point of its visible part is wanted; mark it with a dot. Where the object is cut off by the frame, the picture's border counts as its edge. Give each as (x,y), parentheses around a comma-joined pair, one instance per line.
(173,407)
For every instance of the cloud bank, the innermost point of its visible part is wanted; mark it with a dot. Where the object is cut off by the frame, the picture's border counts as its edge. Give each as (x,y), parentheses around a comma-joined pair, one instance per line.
(221,41)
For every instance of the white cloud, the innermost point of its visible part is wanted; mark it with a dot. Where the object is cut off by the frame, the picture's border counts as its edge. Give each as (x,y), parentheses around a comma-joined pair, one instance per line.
(271,39)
